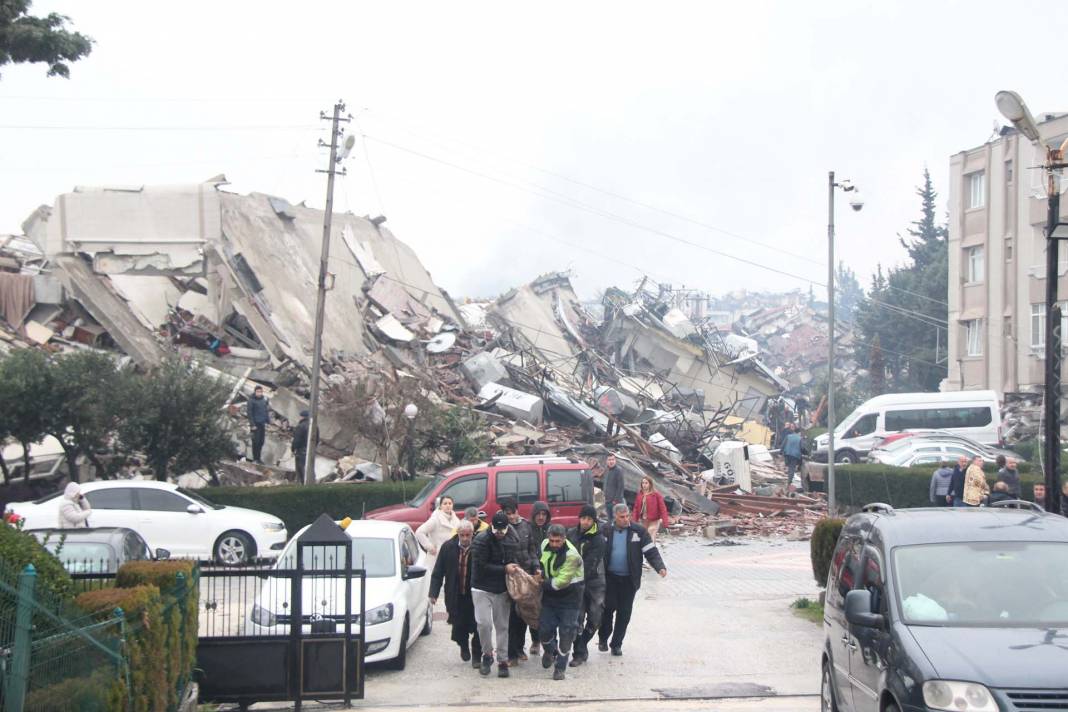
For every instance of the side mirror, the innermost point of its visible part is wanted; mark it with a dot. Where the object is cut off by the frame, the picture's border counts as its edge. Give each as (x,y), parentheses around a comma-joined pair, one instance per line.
(162,554)
(195,509)
(858,610)
(414,572)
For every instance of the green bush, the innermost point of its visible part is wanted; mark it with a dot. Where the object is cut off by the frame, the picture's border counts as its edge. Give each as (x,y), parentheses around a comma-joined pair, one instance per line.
(17,548)
(299,506)
(900,487)
(824,539)
(101,691)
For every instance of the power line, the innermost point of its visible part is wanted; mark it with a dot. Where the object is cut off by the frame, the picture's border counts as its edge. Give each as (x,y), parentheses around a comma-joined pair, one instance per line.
(249,127)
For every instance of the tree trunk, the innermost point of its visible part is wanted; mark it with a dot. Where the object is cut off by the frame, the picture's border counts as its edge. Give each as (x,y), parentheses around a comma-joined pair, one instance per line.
(26,462)
(71,453)
(160,470)
(99,470)
(7,473)
(214,476)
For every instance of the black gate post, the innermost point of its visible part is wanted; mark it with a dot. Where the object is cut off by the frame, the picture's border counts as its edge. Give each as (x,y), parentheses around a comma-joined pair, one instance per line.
(296,628)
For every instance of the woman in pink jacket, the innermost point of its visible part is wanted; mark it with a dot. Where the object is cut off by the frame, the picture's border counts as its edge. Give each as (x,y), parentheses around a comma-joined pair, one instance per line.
(650,509)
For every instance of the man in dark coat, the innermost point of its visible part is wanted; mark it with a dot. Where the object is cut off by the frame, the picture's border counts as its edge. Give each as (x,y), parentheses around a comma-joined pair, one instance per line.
(956,483)
(259,414)
(589,540)
(529,547)
(612,484)
(494,553)
(625,545)
(453,568)
(300,443)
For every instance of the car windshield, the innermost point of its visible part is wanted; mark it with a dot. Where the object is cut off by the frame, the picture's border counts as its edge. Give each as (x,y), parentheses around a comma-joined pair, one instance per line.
(983,584)
(848,420)
(82,557)
(424,494)
(198,499)
(376,556)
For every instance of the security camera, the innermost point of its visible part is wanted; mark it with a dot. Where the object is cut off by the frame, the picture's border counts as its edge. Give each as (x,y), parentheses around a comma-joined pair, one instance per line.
(857,204)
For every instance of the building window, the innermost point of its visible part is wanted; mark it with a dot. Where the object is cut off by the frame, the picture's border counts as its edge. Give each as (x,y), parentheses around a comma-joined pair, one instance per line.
(1038,325)
(976,268)
(1008,171)
(1008,249)
(976,189)
(1008,327)
(973,330)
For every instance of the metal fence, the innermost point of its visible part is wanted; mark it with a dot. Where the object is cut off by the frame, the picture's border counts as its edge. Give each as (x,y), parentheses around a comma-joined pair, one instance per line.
(53,657)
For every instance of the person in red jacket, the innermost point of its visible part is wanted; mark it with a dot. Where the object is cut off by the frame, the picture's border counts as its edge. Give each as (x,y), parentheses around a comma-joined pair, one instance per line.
(650,509)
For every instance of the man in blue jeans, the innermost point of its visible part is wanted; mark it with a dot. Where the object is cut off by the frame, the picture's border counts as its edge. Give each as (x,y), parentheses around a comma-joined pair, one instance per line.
(956,483)
(561,598)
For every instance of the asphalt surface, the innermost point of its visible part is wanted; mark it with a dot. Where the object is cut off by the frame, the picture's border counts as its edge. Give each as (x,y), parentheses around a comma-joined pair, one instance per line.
(716,634)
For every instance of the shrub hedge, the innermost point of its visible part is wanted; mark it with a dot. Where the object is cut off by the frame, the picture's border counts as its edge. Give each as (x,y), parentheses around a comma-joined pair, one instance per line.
(299,506)
(824,540)
(901,487)
(17,548)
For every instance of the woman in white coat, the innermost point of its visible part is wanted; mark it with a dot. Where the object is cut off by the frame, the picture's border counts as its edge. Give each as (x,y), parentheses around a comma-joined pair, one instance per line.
(74,509)
(437,530)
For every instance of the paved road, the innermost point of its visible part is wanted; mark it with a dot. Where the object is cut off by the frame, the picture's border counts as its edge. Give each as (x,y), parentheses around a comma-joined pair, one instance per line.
(716,634)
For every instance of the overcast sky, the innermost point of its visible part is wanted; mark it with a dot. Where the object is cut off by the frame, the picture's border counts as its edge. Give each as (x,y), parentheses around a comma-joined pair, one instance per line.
(614,139)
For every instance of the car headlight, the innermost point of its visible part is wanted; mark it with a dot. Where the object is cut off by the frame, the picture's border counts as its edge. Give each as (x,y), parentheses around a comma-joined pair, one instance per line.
(381,614)
(261,616)
(958,696)
(273,526)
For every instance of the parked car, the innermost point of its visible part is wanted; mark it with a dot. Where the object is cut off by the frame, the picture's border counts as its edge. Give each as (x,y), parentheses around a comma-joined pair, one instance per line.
(398,608)
(169,517)
(929,447)
(100,550)
(563,483)
(974,414)
(947,609)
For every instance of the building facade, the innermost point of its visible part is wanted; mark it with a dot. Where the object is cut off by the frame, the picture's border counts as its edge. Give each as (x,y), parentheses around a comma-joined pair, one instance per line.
(997,262)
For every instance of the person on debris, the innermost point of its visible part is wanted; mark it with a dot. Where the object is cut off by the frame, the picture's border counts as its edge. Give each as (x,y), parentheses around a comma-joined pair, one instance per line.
(975,485)
(941,482)
(438,529)
(1001,493)
(453,568)
(74,511)
(561,598)
(259,414)
(792,451)
(956,487)
(494,553)
(1039,495)
(625,544)
(300,443)
(612,484)
(1010,476)
(650,509)
(589,540)
(528,548)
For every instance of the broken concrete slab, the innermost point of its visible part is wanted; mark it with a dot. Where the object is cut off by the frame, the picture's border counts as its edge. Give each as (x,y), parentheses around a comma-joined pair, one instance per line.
(391,328)
(614,402)
(516,404)
(482,368)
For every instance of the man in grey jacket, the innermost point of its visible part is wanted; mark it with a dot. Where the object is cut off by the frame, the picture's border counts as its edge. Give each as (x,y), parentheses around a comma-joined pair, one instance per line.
(612,484)
(259,414)
(1010,476)
(941,482)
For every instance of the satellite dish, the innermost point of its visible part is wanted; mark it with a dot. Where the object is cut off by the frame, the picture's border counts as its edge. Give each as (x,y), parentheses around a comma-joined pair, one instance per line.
(346,147)
(441,343)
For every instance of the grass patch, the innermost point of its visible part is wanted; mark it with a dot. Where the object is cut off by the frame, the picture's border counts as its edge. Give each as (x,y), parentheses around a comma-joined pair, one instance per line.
(808,609)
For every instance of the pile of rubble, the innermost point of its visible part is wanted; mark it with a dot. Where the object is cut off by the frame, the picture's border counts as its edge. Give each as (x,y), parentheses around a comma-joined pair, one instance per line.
(229,281)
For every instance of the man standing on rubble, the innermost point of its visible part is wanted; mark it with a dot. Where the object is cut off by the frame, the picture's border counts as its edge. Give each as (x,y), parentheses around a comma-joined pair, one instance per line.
(625,544)
(259,414)
(589,540)
(493,554)
(792,451)
(612,484)
(300,443)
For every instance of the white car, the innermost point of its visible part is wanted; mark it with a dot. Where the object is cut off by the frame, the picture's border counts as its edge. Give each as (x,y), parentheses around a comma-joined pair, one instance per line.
(398,608)
(169,517)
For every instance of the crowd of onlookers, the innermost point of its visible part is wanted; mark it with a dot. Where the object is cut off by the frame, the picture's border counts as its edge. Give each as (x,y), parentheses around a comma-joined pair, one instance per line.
(965,485)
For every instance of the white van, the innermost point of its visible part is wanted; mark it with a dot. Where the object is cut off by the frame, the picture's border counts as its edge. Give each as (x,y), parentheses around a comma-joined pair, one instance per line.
(973,414)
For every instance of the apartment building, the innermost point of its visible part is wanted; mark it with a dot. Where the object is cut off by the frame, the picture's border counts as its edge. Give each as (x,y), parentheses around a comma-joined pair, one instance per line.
(997,258)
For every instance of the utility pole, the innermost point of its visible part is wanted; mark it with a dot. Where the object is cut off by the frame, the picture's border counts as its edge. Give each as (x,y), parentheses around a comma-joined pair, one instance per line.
(320,304)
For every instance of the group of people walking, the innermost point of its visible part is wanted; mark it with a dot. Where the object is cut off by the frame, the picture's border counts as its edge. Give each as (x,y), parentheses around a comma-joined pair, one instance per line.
(587,576)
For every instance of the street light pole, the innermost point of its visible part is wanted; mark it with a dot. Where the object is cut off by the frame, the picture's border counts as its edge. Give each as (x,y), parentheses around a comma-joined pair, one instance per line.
(320,303)
(846,187)
(1015,110)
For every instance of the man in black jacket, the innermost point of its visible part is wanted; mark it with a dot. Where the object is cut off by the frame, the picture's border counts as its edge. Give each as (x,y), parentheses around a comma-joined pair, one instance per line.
(495,552)
(453,568)
(300,444)
(528,548)
(589,540)
(259,414)
(625,544)
(956,484)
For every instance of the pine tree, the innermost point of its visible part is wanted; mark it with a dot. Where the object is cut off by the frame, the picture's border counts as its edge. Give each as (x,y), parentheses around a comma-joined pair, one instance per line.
(877,367)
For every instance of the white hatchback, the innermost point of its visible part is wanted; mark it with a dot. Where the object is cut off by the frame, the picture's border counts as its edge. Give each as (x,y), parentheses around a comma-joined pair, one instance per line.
(169,517)
(398,586)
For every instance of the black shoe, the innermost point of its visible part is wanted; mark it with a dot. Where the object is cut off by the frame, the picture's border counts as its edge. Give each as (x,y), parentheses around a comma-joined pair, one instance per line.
(617,651)
(547,659)
(465,654)
(502,669)
(603,646)
(476,662)
(558,674)
(576,661)
(486,666)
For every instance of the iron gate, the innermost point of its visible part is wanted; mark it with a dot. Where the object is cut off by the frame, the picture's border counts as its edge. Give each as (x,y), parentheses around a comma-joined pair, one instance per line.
(250,649)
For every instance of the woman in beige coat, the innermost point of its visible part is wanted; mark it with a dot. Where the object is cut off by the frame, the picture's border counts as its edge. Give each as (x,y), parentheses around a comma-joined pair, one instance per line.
(437,530)
(976,488)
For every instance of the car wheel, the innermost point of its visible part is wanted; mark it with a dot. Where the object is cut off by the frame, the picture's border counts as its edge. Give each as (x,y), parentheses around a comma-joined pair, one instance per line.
(399,662)
(429,624)
(846,457)
(233,549)
(827,701)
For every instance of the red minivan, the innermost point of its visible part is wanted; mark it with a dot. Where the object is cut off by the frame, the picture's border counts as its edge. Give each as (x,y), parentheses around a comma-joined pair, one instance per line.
(563,483)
